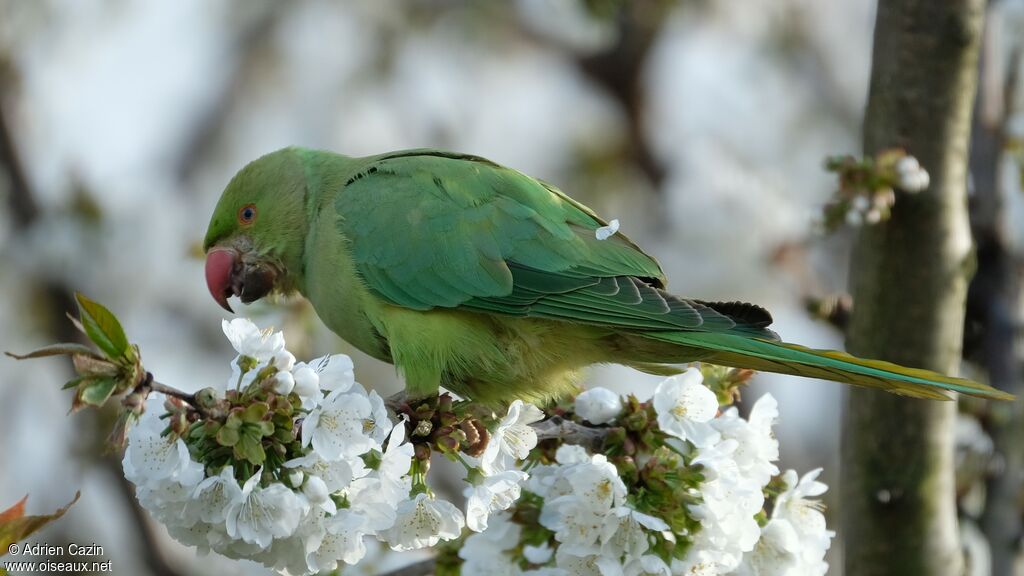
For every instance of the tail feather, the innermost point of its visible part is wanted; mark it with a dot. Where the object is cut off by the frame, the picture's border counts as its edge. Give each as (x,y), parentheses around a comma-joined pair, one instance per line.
(784,358)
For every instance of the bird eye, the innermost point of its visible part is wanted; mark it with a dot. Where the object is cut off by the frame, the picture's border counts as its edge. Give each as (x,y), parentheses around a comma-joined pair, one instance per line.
(247,214)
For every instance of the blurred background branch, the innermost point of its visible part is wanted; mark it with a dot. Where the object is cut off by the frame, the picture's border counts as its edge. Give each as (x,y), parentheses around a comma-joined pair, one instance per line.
(58,299)
(994,301)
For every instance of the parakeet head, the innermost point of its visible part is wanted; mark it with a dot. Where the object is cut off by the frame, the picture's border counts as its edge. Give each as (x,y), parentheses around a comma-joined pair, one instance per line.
(255,239)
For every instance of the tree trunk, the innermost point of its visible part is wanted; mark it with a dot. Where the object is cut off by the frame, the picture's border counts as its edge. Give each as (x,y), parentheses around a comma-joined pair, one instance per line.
(909,283)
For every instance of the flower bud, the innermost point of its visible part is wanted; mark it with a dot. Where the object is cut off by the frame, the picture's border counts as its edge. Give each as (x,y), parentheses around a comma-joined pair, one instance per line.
(296,477)
(636,421)
(284,360)
(911,175)
(598,405)
(284,382)
(315,490)
(422,452)
(307,381)
(423,428)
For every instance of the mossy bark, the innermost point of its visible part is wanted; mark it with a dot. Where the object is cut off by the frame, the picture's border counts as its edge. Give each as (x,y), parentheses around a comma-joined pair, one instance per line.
(909,282)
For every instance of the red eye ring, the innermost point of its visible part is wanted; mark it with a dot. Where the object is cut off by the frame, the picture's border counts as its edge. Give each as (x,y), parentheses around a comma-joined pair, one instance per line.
(247,214)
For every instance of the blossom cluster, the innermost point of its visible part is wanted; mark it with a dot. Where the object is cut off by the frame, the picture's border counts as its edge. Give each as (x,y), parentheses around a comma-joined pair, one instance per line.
(867,187)
(585,513)
(334,472)
(296,465)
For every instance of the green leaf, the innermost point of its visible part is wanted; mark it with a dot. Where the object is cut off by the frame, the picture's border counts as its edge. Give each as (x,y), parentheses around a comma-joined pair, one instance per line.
(282,421)
(265,428)
(255,412)
(227,436)
(234,419)
(55,350)
(284,435)
(94,366)
(96,391)
(102,328)
(15,526)
(250,448)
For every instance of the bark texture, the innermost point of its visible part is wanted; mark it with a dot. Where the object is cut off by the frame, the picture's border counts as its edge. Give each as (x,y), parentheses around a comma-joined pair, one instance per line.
(909,282)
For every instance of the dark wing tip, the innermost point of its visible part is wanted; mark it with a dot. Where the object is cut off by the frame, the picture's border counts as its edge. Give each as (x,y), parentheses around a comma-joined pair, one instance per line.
(742,313)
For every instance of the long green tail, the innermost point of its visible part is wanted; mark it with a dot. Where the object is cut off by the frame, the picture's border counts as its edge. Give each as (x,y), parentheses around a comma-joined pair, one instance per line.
(784,358)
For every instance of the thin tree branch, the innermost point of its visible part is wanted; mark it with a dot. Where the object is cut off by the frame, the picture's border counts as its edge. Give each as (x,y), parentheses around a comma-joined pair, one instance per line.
(250,41)
(24,208)
(171,391)
(551,428)
(557,427)
(619,70)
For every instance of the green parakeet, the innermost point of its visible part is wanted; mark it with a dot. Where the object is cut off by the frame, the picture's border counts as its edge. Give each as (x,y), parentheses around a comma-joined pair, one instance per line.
(478,278)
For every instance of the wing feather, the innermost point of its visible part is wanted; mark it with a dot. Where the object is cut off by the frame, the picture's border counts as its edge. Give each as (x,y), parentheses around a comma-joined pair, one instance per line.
(431,229)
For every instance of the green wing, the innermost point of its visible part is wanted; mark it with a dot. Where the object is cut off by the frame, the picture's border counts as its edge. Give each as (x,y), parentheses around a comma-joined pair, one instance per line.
(433,229)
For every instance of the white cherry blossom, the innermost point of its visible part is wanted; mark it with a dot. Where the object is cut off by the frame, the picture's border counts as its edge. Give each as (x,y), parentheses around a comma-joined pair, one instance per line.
(335,428)
(756,446)
(334,372)
(343,539)
(335,474)
(493,494)
(378,425)
(538,554)
(307,384)
(423,522)
(597,482)
(685,406)
(150,458)
(647,565)
(776,553)
(797,506)
(215,494)
(513,439)
(316,494)
(577,524)
(396,461)
(626,532)
(248,340)
(257,515)
(484,553)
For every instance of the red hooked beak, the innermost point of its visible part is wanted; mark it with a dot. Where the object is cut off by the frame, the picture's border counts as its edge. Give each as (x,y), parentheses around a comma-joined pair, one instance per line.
(220,269)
